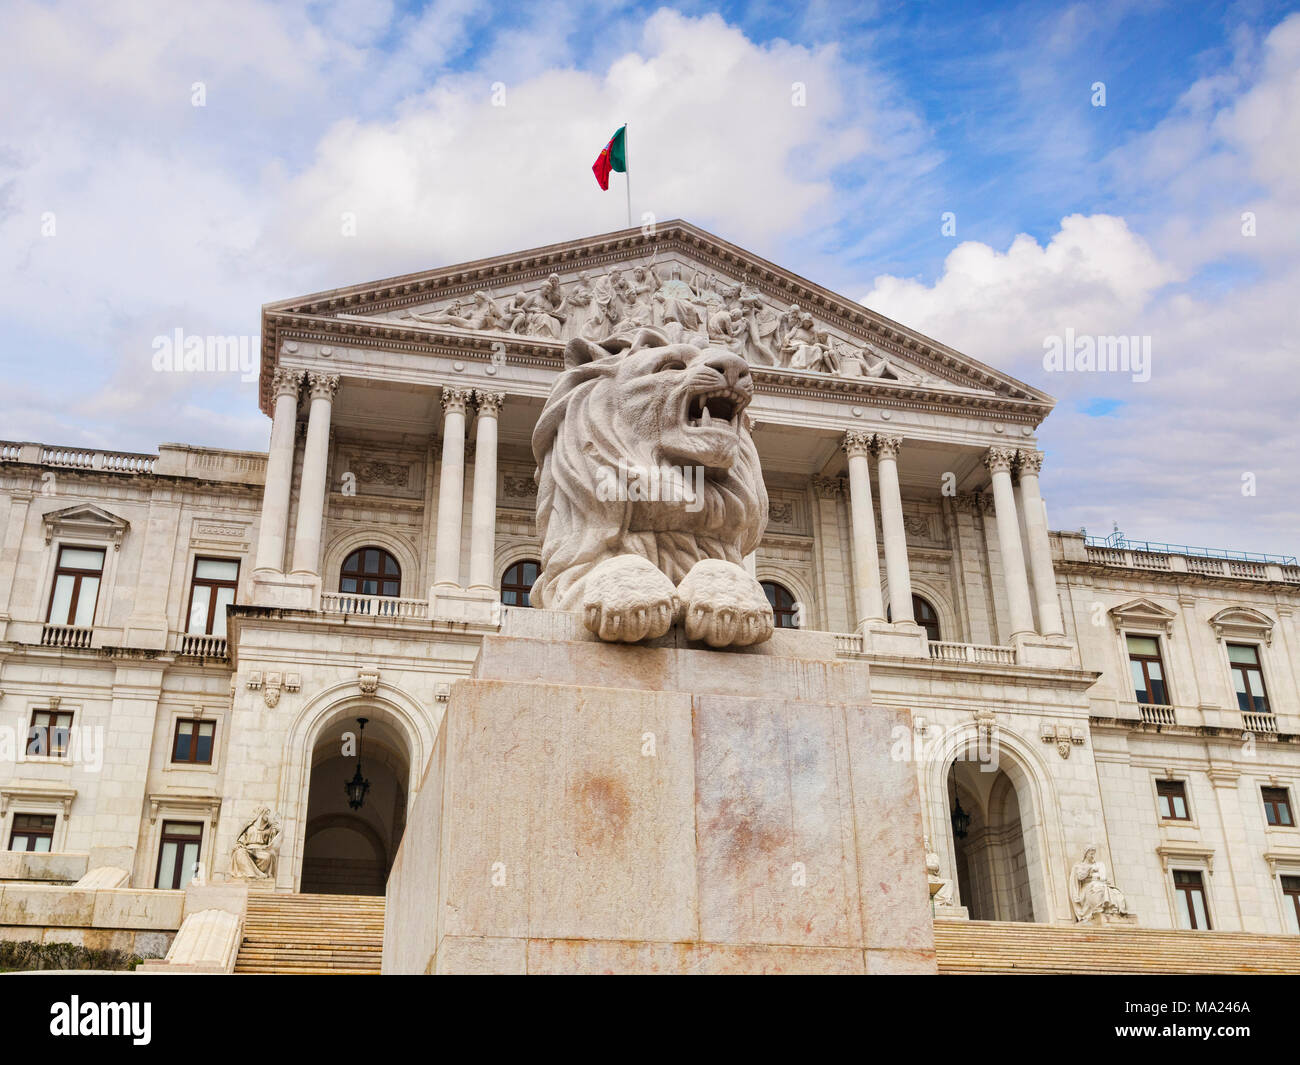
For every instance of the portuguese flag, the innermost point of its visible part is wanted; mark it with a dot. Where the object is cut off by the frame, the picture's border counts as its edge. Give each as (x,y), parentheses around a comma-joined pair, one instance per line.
(612,157)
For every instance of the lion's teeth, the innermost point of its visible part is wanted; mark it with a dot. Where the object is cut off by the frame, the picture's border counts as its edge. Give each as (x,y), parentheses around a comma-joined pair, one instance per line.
(705,417)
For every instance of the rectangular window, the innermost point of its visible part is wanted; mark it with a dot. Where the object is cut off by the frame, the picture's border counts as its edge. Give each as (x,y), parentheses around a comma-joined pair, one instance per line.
(1291,892)
(1172,796)
(193,741)
(76,586)
(48,736)
(213,589)
(178,854)
(32,832)
(1147,670)
(1248,678)
(1190,889)
(1277,807)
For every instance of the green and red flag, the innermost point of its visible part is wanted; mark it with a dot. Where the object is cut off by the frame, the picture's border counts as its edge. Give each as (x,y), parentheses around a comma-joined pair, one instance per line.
(612,157)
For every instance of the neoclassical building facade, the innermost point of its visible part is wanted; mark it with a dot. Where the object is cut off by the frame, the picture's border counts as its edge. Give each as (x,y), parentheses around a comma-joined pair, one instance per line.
(190,636)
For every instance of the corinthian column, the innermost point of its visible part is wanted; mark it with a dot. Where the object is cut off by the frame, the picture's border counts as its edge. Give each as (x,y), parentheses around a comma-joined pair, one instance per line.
(866,559)
(483,512)
(451,489)
(315,459)
(274,524)
(891,524)
(999,460)
(1040,549)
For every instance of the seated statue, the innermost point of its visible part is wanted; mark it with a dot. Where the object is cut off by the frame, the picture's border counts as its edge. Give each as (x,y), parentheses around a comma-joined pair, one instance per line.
(1091,892)
(942,895)
(256,847)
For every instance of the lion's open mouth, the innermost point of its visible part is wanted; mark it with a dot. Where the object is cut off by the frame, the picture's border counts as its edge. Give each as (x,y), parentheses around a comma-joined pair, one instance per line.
(716,408)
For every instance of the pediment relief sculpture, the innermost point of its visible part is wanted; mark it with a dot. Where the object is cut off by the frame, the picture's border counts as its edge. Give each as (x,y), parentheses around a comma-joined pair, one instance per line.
(687,304)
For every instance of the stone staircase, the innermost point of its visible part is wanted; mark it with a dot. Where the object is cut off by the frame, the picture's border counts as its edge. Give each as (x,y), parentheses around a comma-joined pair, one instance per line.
(1011,947)
(321,935)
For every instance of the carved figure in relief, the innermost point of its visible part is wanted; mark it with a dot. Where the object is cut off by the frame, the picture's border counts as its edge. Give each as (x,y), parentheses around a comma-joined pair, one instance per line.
(484,314)
(633,562)
(805,347)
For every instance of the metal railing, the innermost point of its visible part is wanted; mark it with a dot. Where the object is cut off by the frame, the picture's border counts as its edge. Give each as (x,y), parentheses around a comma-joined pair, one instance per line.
(1118,541)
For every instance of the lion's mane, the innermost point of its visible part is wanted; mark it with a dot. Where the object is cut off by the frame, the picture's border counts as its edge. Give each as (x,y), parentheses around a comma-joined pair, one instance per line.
(579,434)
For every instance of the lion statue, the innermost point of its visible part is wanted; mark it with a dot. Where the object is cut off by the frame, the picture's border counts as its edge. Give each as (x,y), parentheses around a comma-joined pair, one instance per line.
(650,492)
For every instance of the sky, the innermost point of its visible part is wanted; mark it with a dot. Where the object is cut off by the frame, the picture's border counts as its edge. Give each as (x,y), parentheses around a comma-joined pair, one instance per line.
(994,176)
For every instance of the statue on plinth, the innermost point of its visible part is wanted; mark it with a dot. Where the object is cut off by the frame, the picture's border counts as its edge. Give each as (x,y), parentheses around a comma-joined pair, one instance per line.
(1091,892)
(256,847)
(650,492)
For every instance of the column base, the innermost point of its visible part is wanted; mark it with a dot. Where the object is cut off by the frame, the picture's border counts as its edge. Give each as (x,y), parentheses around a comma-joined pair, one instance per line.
(470,606)
(904,639)
(1051,652)
(289,591)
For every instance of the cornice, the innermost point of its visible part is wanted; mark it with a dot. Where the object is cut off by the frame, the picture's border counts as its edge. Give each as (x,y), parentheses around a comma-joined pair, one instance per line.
(1094,569)
(538,351)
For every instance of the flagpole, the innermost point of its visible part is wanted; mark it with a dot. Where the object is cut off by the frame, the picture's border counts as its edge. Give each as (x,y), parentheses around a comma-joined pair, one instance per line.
(627,170)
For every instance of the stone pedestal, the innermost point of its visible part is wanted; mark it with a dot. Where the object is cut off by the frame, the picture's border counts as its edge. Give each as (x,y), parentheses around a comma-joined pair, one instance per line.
(661,808)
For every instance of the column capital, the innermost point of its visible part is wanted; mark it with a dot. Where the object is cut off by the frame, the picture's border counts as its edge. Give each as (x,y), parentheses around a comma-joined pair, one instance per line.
(828,487)
(857,442)
(888,447)
(456,400)
(1031,462)
(322,385)
(488,403)
(286,382)
(1000,459)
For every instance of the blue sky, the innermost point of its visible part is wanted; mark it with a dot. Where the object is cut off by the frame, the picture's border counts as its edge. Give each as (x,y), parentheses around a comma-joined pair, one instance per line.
(1125,219)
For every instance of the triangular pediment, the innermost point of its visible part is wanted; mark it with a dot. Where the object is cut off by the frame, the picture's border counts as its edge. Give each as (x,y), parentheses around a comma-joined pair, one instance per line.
(1143,615)
(677,278)
(85,520)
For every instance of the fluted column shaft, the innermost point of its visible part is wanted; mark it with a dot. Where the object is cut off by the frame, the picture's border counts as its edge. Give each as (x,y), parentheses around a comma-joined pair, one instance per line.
(891,524)
(866,558)
(315,461)
(483,507)
(999,462)
(273,528)
(1040,548)
(451,489)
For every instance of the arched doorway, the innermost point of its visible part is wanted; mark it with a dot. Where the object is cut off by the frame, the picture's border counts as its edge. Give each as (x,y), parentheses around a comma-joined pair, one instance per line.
(993,862)
(347,851)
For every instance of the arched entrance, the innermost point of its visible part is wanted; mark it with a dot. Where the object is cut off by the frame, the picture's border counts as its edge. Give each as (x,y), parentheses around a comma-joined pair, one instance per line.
(993,862)
(346,851)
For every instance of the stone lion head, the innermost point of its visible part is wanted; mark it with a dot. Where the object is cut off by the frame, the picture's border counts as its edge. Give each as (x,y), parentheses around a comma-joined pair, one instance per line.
(644,448)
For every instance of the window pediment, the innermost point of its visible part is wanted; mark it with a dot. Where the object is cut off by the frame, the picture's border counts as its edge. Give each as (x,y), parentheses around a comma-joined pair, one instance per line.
(86,521)
(1143,614)
(1242,621)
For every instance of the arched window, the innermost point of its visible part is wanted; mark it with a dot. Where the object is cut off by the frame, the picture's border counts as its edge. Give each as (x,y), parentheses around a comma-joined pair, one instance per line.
(518,582)
(926,616)
(784,608)
(370,571)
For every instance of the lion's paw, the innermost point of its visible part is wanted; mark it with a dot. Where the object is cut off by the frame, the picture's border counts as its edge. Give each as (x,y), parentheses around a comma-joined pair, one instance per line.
(723,605)
(626,599)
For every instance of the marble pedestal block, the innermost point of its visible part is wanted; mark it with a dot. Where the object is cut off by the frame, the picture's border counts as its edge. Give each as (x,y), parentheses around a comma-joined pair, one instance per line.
(662,808)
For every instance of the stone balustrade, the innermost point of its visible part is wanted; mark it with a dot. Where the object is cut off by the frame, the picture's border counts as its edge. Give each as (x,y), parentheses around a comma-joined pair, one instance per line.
(374,606)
